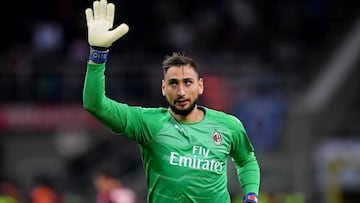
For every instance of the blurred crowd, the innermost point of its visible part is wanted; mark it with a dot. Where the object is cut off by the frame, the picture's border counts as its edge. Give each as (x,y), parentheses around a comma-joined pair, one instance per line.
(45,47)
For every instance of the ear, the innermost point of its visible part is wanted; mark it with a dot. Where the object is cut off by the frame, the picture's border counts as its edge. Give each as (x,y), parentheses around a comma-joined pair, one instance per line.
(201,86)
(163,87)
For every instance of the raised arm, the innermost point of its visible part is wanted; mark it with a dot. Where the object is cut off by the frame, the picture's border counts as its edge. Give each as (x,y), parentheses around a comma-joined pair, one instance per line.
(100,37)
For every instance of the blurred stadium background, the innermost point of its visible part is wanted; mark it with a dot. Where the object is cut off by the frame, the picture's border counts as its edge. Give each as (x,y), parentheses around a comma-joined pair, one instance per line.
(288,69)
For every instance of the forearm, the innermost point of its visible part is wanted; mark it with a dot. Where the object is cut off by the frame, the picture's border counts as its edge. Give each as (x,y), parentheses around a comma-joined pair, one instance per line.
(94,87)
(249,175)
(95,100)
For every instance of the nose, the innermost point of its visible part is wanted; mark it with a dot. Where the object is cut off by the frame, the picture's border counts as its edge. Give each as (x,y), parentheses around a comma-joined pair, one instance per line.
(181,91)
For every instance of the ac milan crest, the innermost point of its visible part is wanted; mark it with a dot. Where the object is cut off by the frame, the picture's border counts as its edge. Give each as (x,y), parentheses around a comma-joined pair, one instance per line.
(217,137)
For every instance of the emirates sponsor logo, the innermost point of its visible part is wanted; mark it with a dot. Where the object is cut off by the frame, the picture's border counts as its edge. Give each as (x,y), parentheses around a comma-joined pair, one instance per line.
(199,159)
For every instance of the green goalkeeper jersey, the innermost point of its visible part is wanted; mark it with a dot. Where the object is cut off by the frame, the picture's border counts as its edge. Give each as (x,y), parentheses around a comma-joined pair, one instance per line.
(183,162)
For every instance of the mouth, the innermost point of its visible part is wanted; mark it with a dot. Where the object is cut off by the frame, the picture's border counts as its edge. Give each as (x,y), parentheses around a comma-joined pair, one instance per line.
(182,102)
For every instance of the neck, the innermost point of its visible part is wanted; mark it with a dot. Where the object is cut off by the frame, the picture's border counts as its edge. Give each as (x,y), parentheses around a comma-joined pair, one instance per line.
(195,115)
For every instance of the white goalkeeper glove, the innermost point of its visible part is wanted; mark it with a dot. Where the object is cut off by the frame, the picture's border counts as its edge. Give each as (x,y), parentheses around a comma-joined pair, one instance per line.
(100,21)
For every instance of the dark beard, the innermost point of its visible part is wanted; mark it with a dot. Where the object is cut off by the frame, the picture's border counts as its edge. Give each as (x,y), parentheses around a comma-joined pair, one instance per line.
(184,112)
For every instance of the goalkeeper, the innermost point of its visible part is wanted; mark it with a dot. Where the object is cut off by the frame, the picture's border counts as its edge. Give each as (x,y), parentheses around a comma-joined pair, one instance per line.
(184,147)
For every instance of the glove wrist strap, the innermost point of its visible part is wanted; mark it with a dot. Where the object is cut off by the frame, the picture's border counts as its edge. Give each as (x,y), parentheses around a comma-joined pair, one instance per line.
(251,197)
(97,56)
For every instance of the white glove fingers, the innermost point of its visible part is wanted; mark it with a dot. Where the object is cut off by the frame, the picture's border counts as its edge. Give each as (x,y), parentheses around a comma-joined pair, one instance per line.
(119,32)
(103,6)
(100,21)
(89,16)
(110,14)
(96,9)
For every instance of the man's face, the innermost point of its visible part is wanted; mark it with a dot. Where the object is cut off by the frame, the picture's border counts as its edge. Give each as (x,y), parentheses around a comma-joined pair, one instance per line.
(181,86)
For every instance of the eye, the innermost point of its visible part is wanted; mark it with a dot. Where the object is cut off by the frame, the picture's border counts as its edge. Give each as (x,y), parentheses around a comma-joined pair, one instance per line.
(188,82)
(173,83)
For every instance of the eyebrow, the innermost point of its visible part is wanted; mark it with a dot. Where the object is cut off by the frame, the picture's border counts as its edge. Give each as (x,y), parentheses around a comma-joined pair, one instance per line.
(183,79)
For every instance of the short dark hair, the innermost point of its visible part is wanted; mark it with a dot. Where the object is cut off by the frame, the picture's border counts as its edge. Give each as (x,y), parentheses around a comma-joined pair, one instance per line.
(178,59)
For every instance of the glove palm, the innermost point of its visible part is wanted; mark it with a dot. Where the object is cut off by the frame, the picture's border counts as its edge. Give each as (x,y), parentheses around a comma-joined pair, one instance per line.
(100,21)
